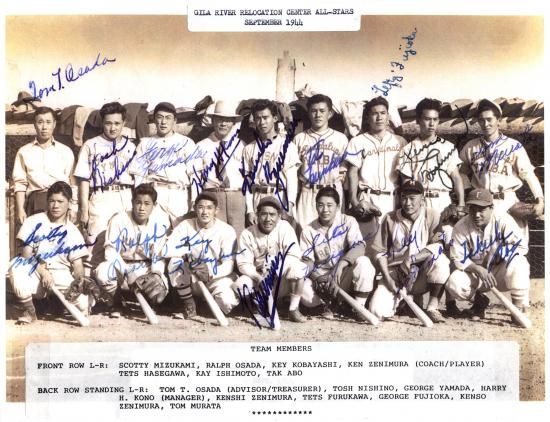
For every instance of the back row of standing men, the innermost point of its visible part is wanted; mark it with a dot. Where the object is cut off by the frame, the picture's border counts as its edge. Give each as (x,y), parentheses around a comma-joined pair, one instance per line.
(291,168)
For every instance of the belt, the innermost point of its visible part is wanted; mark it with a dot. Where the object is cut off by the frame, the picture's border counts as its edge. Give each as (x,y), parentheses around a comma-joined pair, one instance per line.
(317,187)
(169,185)
(114,188)
(223,189)
(264,189)
(376,191)
(498,195)
(431,194)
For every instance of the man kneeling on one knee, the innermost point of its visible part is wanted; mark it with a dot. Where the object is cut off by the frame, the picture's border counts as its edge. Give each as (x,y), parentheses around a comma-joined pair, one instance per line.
(488,250)
(409,253)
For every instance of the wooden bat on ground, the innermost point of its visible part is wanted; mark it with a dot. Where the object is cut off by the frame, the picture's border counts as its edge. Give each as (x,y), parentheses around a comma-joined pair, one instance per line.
(75,312)
(147,310)
(420,314)
(213,305)
(517,314)
(369,316)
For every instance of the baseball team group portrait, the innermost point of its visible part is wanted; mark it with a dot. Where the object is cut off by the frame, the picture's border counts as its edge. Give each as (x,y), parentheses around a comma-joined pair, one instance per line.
(270,186)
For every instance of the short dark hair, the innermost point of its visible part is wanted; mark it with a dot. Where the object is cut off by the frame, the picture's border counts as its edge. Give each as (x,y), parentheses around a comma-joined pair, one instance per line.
(145,189)
(262,105)
(44,110)
(376,102)
(60,187)
(206,197)
(330,192)
(319,98)
(427,104)
(113,108)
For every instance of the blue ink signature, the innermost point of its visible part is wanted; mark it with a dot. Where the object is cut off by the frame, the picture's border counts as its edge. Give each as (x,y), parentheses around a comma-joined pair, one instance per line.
(338,231)
(405,242)
(69,76)
(218,163)
(504,251)
(124,242)
(213,261)
(56,232)
(259,296)
(269,173)
(389,84)
(315,154)
(98,178)
(61,249)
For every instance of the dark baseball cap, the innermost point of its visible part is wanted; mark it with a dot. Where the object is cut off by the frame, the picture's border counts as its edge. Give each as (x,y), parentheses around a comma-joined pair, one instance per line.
(269,201)
(481,197)
(412,186)
(164,106)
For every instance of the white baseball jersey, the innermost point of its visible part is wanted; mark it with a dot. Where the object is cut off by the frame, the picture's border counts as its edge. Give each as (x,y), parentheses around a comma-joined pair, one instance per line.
(254,244)
(265,167)
(127,240)
(104,162)
(377,160)
(231,159)
(501,164)
(37,168)
(501,239)
(214,246)
(56,244)
(325,246)
(320,156)
(430,163)
(170,157)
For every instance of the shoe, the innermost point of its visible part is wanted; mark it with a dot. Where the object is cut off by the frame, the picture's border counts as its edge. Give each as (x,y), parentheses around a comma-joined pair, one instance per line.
(452,310)
(477,311)
(189,308)
(296,316)
(178,315)
(435,316)
(326,312)
(115,314)
(27,314)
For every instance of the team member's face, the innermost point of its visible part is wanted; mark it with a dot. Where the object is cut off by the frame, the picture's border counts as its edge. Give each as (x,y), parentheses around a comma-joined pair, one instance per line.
(488,123)
(326,208)
(112,126)
(206,212)
(319,115)
(268,217)
(165,122)
(377,118)
(265,123)
(480,215)
(428,123)
(411,203)
(222,126)
(58,206)
(44,124)
(142,207)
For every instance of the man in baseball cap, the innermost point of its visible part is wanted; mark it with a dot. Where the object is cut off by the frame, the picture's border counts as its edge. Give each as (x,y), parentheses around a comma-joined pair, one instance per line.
(264,248)
(488,250)
(413,261)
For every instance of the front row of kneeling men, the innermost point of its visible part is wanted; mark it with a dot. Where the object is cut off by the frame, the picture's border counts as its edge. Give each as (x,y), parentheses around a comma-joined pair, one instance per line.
(408,251)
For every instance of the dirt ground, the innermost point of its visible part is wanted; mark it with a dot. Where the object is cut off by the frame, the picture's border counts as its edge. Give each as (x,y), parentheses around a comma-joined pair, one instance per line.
(134,327)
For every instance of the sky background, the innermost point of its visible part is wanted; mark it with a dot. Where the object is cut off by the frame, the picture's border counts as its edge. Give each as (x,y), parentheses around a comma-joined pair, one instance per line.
(157,59)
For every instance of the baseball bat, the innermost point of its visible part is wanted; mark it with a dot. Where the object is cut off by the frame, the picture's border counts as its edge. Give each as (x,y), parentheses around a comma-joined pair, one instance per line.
(147,310)
(518,315)
(213,305)
(275,315)
(369,316)
(75,312)
(421,315)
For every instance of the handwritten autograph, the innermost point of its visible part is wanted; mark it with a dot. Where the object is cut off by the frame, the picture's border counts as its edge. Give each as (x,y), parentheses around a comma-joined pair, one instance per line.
(395,82)
(69,75)
(98,177)
(259,296)
(315,154)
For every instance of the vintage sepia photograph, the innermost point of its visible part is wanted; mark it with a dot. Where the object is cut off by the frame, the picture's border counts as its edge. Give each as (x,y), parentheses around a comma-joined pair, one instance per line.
(385,184)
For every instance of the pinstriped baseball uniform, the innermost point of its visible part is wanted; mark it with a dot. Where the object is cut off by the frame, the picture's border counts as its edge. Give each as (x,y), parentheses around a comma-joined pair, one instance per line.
(320,156)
